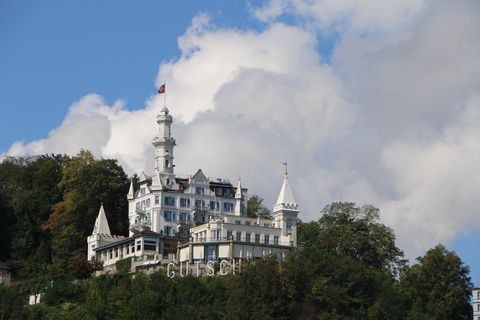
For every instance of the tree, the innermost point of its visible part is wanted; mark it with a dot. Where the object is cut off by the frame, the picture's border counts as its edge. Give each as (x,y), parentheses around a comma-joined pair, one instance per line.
(80,268)
(355,231)
(439,286)
(123,266)
(11,304)
(260,291)
(86,183)
(255,209)
(28,188)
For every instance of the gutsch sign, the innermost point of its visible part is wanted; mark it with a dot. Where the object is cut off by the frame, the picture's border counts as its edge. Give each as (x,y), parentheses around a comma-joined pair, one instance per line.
(200,269)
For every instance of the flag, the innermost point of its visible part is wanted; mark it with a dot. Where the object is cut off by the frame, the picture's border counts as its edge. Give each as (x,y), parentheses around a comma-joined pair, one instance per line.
(161,89)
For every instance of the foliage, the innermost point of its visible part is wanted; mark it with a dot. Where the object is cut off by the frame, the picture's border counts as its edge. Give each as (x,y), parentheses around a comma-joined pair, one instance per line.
(314,283)
(86,183)
(80,268)
(439,285)
(272,301)
(123,265)
(64,289)
(11,304)
(255,209)
(28,189)
(356,232)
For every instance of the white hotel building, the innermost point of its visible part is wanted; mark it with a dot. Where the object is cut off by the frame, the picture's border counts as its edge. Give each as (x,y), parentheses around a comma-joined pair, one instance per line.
(192,218)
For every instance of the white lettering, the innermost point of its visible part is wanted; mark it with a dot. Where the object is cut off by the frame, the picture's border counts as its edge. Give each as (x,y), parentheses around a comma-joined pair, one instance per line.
(168,270)
(210,268)
(225,268)
(223,264)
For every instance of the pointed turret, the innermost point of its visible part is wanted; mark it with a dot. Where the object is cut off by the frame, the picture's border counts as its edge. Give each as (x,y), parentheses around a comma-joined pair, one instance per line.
(131,191)
(239,194)
(239,205)
(285,212)
(285,198)
(101,234)
(101,224)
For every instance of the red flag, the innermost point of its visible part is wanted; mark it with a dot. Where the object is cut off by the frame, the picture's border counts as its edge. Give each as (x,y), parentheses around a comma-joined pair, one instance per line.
(161,89)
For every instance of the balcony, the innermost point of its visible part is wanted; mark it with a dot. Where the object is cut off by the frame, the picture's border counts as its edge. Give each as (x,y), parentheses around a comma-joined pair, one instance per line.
(140,226)
(140,210)
(203,209)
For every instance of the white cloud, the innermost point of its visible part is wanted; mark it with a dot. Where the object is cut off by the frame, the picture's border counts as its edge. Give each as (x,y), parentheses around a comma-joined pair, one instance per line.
(107,131)
(348,16)
(437,182)
(211,58)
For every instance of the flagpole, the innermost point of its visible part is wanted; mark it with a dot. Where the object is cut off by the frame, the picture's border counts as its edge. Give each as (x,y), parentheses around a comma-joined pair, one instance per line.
(165,95)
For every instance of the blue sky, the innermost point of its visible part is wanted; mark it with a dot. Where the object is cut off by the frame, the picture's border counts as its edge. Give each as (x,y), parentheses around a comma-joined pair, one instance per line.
(370,102)
(55,52)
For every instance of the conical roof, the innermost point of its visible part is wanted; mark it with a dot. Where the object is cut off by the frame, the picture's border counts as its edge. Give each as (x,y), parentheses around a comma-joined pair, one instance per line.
(238,194)
(286,195)
(131,191)
(101,224)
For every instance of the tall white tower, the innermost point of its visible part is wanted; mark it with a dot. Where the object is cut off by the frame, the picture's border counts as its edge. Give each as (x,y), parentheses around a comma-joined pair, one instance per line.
(164,143)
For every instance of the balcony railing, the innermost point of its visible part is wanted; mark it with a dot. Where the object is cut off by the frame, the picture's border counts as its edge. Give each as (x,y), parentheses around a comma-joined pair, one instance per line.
(140,226)
(140,210)
(243,240)
(200,208)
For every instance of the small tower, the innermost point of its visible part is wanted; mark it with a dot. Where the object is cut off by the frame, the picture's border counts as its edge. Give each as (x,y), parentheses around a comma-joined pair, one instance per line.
(131,191)
(240,209)
(285,213)
(164,143)
(100,234)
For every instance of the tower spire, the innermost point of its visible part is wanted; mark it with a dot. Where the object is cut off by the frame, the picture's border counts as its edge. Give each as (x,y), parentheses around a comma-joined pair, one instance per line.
(131,191)
(285,199)
(101,224)
(239,197)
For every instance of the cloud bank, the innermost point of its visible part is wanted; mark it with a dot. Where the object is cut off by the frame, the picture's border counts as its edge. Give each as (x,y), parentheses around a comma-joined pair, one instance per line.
(393,120)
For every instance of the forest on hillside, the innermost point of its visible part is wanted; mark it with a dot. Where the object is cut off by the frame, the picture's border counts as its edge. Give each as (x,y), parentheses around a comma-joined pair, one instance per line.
(350,267)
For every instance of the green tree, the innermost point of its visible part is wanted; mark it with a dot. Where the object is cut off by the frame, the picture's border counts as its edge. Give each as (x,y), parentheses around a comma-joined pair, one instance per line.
(64,289)
(28,188)
(329,284)
(123,265)
(255,209)
(260,291)
(439,286)
(11,304)
(86,183)
(308,232)
(355,231)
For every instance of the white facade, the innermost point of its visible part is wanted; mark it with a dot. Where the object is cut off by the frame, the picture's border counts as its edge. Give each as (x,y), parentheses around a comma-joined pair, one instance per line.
(238,237)
(206,217)
(476,302)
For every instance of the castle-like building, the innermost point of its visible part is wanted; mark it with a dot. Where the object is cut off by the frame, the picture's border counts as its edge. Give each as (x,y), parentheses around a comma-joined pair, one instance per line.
(175,218)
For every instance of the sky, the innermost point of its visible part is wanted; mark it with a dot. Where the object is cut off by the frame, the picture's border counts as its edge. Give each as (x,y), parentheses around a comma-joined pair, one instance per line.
(373,102)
